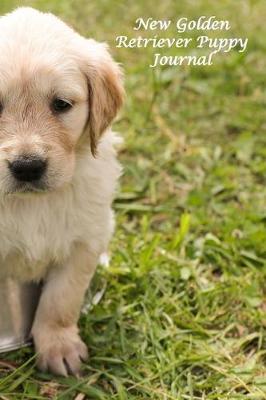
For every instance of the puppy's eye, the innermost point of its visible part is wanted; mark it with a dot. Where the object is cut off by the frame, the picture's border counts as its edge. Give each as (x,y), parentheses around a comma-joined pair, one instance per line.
(60,105)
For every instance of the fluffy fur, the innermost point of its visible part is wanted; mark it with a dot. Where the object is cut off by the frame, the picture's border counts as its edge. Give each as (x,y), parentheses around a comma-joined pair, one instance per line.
(56,230)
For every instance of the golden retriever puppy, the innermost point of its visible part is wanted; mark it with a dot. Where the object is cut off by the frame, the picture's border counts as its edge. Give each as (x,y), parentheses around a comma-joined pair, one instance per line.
(59,93)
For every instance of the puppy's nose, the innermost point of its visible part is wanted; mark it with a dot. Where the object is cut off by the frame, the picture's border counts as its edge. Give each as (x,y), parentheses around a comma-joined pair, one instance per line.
(28,169)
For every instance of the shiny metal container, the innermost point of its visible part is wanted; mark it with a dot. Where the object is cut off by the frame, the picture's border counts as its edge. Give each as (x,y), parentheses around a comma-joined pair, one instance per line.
(18,303)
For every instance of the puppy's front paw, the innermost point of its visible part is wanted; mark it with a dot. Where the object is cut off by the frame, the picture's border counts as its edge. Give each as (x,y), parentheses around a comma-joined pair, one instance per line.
(59,350)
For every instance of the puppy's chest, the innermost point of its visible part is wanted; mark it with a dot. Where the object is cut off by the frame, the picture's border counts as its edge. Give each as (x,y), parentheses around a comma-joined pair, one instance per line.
(36,230)
(33,236)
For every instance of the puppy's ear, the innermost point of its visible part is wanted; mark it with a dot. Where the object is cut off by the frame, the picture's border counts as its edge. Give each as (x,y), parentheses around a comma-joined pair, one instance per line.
(105,88)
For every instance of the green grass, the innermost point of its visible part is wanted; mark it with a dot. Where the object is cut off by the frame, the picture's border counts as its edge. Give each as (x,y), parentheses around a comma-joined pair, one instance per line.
(183,313)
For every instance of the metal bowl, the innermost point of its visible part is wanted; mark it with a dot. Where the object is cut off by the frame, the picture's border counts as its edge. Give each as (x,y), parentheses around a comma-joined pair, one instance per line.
(18,303)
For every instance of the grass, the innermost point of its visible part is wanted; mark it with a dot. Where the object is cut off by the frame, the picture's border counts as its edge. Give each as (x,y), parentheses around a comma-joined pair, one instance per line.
(181,311)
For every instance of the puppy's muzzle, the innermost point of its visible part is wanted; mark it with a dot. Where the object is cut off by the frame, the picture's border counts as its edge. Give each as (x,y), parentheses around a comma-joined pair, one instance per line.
(28,169)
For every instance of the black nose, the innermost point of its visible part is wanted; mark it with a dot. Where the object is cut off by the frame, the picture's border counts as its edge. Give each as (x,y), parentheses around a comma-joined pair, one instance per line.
(28,169)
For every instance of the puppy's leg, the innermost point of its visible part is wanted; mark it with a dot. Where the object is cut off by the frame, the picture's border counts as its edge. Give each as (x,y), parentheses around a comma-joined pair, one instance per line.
(55,333)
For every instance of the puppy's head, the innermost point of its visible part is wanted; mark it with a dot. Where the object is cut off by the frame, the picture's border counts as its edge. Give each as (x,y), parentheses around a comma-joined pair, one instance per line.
(59,92)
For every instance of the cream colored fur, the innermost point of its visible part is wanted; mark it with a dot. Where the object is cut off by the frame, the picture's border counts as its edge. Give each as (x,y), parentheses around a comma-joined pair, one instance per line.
(56,234)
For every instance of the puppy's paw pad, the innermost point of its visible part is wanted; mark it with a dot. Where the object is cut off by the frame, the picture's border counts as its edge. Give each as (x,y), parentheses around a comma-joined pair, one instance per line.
(60,352)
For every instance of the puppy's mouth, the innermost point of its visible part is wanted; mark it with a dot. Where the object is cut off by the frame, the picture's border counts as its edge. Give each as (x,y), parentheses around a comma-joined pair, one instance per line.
(28,188)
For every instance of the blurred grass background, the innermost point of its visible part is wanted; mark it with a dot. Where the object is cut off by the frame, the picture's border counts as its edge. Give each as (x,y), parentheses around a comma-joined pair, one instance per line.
(181,311)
